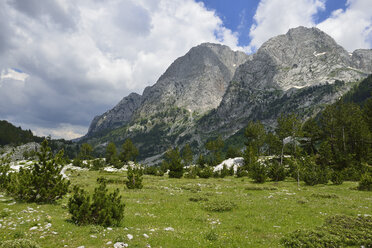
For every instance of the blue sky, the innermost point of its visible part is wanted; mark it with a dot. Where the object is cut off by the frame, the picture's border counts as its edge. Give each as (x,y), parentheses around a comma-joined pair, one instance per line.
(63,62)
(237,15)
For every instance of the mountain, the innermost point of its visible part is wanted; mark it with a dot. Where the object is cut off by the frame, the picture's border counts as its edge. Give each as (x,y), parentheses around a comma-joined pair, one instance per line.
(290,72)
(213,90)
(12,135)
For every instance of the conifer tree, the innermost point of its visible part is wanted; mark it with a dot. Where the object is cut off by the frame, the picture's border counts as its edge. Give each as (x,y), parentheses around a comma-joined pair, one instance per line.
(187,155)
(129,151)
(42,182)
(173,162)
(134,176)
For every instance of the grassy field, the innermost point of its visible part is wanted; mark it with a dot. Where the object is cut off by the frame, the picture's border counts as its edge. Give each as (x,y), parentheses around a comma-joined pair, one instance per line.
(178,213)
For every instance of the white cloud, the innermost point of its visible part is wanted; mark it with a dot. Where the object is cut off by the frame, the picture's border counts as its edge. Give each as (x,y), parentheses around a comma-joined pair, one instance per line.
(13,74)
(82,56)
(352,27)
(62,131)
(274,17)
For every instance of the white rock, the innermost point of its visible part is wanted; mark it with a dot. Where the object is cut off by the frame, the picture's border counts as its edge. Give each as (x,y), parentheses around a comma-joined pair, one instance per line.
(120,245)
(129,236)
(169,229)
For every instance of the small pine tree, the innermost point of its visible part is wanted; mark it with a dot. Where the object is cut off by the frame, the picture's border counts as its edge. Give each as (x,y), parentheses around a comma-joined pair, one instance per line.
(4,172)
(225,171)
(129,151)
(258,172)
(43,182)
(103,208)
(276,171)
(85,152)
(206,172)
(174,163)
(111,154)
(134,176)
(187,155)
(79,207)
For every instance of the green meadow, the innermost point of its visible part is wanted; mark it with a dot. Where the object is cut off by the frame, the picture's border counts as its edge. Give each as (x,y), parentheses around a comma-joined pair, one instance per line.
(214,212)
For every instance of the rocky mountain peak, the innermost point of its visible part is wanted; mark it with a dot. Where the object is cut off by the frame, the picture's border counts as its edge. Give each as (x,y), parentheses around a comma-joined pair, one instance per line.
(301,57)
(196,81)
(118,116)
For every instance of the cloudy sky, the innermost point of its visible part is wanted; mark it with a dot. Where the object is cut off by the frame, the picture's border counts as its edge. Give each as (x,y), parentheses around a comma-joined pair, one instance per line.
(64,61)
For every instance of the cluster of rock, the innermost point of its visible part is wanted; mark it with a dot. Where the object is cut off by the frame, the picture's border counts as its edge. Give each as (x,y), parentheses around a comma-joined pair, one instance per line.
(26,151)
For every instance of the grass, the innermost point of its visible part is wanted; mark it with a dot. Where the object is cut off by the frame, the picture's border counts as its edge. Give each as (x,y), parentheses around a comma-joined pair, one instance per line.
(173,213)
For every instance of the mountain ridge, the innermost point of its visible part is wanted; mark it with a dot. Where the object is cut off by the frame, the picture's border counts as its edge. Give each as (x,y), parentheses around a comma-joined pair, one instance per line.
(214,90)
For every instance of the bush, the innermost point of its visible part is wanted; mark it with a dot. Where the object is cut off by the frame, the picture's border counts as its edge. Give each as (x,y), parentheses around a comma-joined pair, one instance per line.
(313,173)
(219,206)
(4,172)
(173,162)
(242,171)
(98,164)
(276,171)
(258,172)
(337,177)
(337,231)
(206,172)
(78,163)
(104,209)
(365,182)
(19,243)
(42,182)
(191,173)
(134,176)
(225,171)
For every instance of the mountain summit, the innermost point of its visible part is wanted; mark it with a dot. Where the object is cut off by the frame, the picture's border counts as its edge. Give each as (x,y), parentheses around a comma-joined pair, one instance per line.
(213,90)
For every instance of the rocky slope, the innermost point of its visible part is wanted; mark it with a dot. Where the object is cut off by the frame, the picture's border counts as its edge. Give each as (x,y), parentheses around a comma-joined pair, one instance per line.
(281,71)
(120,115)
(214,90)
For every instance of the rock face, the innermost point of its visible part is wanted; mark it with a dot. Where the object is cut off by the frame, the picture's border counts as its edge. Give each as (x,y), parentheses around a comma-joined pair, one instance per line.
(303,57)
(196,81)
(362,58)
(214,90)
(120,115)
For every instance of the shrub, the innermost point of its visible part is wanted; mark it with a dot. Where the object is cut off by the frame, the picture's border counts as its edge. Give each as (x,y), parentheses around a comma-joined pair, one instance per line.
(191,173)
(365,182)
(173,162)
(4,172)
(79,207)
(134,176)
(97,164)
(78,163)
(219,206)
(313,173)
(276,171)
(42,182)
(337,231)
(258,172)
(19,243)
(242,171)
(104,209)
(224,172)
(206,172)
(337,177)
